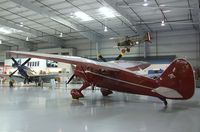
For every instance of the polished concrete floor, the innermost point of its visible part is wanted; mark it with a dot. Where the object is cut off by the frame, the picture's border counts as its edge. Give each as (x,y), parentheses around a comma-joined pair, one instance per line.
(35,109)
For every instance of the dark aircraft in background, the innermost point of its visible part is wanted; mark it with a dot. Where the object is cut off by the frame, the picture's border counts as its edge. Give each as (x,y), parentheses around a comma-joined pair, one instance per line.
(130,42)
(176,82)
(29,75)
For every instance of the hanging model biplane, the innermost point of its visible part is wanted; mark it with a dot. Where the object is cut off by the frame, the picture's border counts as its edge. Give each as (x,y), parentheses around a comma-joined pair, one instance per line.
(130,41)
(176,82)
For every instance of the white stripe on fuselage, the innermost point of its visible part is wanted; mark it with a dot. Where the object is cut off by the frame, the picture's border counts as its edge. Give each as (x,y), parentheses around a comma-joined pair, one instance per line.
(115,79)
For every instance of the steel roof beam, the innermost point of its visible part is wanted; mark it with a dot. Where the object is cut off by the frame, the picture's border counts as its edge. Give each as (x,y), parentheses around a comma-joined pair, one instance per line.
(53,16)
(195,13)
(15,41)
(46,37)
(113,4)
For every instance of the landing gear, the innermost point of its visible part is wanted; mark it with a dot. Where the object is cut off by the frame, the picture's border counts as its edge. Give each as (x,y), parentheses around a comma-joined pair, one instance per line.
(76,93)
(164,101)
(106,92)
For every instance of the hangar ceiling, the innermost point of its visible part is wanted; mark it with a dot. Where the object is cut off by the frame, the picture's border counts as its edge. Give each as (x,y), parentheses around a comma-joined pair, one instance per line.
(54,21)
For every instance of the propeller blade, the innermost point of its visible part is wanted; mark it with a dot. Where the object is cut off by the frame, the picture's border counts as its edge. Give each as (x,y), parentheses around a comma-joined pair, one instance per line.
(118,57)
(13,73)
(26,61)
(121,54)
(70,79)
(102,58)
(15,62)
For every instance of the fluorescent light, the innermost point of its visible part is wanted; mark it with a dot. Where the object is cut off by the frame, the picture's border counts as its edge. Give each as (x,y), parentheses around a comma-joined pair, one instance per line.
(107,12)
(162,23)
(166,11)
(0,41)
(5,31)
(162,5)
(105,29)
(83,16)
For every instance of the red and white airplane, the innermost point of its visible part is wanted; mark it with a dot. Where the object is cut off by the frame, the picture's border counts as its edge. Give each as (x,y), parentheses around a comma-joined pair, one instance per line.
(176,82)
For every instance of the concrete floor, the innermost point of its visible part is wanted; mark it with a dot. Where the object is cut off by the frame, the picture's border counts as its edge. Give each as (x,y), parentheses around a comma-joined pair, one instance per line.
(24,109)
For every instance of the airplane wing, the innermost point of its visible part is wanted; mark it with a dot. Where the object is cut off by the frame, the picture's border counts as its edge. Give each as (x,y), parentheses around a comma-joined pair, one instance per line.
(44,78)
(60,58)
(132,65)
(18,78)
(69,59)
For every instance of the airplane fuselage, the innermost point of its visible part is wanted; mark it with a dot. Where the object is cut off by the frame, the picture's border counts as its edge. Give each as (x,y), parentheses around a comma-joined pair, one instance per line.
(23,71)
(118,81)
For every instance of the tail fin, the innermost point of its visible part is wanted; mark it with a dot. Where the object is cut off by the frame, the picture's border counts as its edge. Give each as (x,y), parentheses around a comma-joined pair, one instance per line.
(147,37)
(177,81)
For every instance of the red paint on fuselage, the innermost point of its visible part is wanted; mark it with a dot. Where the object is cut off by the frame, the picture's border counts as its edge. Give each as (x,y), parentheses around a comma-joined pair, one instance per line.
(118,80)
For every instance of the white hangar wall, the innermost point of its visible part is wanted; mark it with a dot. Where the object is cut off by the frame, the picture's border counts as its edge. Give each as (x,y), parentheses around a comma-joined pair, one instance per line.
(183,43)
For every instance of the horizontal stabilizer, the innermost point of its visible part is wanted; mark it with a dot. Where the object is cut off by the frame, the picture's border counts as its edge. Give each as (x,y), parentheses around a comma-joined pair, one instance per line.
(167,92)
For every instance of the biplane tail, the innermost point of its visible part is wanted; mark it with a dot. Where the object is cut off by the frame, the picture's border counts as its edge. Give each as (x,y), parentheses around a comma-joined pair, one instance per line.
(147,37)
(177,81)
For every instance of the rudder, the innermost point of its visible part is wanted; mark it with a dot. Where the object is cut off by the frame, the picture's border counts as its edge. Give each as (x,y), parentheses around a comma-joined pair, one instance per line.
(177,81)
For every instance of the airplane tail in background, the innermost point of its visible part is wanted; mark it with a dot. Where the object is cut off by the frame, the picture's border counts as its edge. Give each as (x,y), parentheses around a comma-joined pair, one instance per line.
(177,81)
(147,37)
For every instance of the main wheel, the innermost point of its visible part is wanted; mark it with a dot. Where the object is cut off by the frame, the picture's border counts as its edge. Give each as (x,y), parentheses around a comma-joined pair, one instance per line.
(106,92)
(76,94)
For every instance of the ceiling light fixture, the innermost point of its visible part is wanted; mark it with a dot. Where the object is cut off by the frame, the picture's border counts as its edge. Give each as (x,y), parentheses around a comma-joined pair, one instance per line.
(162,23)
(0,41)
(61,35)
(21,24)
(83,16)
(105,29)
(107,12)
(166,11)
(27,39)
(145,3)
(162,5)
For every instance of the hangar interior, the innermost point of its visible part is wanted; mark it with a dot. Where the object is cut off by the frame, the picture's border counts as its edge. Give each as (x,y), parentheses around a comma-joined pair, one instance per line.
(87,28)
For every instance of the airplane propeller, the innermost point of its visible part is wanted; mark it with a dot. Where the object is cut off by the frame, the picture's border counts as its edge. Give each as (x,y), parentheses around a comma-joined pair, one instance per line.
(13,73)
(102,58)
(117,58)
(26,61)
(19,67)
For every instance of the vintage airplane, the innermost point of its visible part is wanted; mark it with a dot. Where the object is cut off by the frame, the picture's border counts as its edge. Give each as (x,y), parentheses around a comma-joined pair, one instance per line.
(176,82)
(130,42)
(29,75)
